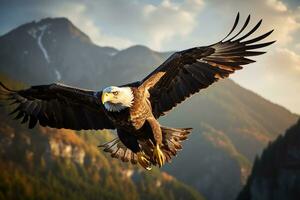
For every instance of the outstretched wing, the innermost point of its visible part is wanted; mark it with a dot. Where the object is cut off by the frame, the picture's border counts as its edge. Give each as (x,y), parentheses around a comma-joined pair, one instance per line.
(187,72)
(58,106)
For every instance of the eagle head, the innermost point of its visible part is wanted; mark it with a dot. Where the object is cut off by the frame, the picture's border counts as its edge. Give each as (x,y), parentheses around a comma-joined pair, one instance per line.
(116,99)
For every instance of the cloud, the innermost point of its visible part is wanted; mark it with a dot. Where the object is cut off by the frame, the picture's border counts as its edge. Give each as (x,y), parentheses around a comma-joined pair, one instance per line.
(277,5)
(283,84)
(76,12)
(286,62)
(276,76)
(122,24)
(163,22)
(297,46)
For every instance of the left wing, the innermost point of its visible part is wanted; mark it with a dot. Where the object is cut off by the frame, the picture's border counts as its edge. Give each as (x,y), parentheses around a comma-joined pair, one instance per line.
(187,72)
(58,106)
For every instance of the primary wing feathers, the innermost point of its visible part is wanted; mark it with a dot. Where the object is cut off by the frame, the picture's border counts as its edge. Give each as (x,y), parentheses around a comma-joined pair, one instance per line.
(187,72)
(57,106)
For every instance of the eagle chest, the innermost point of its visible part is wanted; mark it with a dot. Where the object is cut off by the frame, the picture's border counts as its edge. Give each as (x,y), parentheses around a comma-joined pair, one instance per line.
(132,118)
(139,111)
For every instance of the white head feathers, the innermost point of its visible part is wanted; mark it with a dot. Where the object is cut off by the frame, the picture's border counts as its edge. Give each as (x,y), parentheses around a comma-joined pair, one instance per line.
(116,99)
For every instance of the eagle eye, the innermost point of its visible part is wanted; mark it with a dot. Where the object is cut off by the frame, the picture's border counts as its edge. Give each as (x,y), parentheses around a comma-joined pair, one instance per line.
(115,93)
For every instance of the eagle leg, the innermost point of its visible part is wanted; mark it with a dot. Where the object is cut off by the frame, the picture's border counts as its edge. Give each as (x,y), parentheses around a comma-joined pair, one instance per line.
(144,160)
(130,141)
(158,156)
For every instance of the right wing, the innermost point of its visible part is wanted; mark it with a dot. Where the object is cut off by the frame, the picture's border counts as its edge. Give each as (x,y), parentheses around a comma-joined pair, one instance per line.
(58,106)
(187,72)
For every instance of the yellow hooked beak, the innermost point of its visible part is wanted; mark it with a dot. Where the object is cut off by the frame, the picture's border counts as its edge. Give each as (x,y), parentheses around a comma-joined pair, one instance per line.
(106,97)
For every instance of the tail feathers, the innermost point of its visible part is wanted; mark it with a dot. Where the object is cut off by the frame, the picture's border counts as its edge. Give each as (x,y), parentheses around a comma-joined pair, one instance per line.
(119,151)
(171,144)
(172,139)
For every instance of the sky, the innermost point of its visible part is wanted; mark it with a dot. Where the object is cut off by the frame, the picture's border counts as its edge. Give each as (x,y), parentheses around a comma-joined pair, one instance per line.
(170,25)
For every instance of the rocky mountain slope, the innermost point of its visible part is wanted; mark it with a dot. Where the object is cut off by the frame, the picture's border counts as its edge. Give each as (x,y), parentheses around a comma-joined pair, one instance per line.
(51,50)
(231,124)
(276,174)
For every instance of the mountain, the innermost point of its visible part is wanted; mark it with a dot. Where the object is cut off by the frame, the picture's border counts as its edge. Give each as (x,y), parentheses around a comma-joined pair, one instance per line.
(231,124)
(46,163)
(54,48)
(275,175)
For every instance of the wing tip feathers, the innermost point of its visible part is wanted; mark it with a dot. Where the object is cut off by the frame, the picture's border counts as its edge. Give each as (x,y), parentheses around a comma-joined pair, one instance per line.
(242,29)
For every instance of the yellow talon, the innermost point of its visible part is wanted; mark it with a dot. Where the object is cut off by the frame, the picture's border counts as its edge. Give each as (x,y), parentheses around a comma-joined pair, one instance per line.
(143,160)
(158,156)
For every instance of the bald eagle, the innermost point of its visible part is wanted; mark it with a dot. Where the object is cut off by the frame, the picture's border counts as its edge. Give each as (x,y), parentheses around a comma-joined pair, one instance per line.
(133,109)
